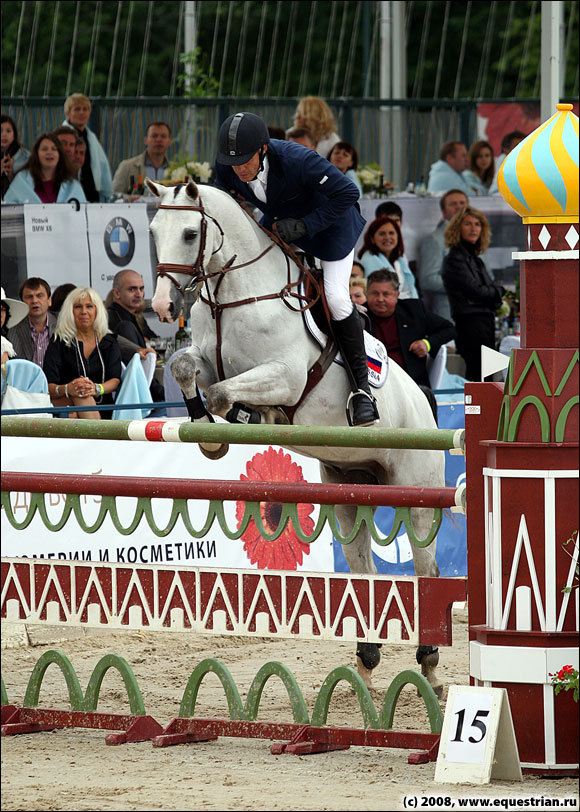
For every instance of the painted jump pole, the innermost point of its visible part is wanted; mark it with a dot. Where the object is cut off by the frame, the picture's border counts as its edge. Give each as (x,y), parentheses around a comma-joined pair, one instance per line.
(224,490)
(522,465)
(171,432)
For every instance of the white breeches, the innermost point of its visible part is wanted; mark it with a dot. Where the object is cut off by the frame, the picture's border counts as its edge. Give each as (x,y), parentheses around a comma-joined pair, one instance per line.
(336,275)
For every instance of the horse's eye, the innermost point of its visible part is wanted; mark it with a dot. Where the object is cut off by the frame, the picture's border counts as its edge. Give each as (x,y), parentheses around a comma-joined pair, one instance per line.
(189,234)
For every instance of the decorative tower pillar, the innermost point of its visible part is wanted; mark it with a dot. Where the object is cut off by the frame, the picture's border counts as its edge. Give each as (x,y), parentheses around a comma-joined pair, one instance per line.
(523,626)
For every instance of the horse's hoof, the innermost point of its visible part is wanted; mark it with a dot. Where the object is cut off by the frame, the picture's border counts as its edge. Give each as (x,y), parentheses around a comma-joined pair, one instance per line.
(215,454)
(369,654)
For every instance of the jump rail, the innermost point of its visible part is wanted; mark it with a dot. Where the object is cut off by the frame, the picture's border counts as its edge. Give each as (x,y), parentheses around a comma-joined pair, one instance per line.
(452,440)
(226,490)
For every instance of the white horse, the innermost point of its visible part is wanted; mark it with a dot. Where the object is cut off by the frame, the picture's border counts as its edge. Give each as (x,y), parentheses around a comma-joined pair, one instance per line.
(256,351)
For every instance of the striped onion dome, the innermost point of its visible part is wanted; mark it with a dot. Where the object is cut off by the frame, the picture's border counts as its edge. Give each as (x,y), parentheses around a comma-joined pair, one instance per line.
(539,177)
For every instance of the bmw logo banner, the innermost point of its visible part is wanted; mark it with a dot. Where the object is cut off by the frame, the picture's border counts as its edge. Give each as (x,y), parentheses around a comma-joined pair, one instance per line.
(118,239)
(56,243)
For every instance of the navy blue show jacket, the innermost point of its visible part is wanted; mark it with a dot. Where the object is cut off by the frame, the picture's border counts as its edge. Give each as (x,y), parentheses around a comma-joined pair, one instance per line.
(303,185)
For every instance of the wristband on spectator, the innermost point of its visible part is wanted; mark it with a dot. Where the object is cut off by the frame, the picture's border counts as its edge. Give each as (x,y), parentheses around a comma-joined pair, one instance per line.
(428,344)
(66,390)
(100,389)
(57,391)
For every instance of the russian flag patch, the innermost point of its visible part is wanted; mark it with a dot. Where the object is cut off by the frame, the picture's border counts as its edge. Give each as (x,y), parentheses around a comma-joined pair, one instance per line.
(374,364)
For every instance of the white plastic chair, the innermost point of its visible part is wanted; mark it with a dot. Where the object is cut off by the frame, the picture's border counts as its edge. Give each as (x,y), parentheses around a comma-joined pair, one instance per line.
(436,367)
(172,389)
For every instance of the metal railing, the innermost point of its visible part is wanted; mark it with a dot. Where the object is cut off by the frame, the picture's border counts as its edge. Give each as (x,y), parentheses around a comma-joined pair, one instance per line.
(373,126)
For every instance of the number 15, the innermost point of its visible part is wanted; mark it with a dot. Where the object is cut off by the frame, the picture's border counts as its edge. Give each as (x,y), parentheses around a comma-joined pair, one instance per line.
(476,722)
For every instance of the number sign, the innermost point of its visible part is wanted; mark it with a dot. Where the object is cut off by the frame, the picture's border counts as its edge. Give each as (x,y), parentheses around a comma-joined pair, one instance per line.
(477,741)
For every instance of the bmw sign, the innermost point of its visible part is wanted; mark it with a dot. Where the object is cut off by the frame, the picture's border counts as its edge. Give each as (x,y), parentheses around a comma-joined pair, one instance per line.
(119,241)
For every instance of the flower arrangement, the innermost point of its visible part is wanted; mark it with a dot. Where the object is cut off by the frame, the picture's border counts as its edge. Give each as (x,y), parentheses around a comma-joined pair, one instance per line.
(183,168)
(372,180)
(566,679)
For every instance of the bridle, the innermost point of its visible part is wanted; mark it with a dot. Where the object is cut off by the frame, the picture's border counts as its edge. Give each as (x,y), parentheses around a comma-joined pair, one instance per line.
(199,275)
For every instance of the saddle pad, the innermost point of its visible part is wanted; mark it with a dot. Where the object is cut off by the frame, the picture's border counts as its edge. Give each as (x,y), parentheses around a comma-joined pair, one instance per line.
(377,361)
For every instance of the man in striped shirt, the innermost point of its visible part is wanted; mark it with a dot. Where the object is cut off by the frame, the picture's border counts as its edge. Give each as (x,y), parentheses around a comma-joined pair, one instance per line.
(30,336)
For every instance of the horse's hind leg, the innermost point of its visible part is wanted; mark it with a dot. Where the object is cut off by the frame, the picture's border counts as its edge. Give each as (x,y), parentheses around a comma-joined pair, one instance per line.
(359,558)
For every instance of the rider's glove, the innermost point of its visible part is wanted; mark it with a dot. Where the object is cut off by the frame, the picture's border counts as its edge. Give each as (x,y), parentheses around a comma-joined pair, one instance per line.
(291,230)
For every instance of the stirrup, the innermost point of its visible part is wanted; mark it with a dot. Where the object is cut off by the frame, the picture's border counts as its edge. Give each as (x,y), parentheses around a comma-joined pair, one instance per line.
(367,421)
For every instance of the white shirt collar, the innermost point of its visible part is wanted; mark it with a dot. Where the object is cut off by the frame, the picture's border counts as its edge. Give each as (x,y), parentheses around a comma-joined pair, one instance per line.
(260,182)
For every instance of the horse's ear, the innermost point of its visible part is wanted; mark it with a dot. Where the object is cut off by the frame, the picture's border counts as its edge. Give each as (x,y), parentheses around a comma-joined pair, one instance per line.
(191,190)
(155,188)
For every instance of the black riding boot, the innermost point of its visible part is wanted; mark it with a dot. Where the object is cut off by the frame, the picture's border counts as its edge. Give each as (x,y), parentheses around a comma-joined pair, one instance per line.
(349,336)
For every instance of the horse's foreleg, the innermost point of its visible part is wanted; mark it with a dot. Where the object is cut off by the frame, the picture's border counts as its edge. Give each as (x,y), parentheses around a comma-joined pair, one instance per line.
(185,368)
(273,384)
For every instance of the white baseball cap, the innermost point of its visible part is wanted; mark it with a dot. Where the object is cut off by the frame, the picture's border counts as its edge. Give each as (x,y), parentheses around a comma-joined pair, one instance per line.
(18,310)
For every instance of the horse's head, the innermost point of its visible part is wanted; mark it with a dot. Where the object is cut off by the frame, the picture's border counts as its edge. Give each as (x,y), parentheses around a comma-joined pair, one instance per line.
(184,239)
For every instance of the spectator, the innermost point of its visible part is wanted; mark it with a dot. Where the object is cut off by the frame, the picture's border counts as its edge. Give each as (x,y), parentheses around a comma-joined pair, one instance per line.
(14,156)
(433,252)
(408,331)
(315,115)
(445,173)
(151,163)
(46,176)
(59,295)
(31,336)
(300,135)
(508,142)
(277,132)
(383,247)
(357,269)
(390,209)
(68,141)
(95,173)
(12,312)
(79,156)
(481,170)
(345,157)
(358,290)
(83,361)
(473,296)
(132,332)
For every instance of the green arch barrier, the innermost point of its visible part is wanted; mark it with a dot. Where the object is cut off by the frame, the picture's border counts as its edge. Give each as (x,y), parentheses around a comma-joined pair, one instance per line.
(560,429)
(530,400)
(216,511)
(434,711)
(208,666)
(297,703)
(75,693)
(367,706)
(91,699)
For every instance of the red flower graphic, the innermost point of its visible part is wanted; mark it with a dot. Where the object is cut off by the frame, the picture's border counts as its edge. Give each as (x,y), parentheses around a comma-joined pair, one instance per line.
(287,551)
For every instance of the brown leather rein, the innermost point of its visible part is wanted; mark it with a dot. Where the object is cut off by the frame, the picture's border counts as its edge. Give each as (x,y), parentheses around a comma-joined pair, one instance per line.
(199,275)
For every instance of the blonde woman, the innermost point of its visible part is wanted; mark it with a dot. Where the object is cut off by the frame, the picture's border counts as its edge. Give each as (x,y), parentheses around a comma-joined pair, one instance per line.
(95,174)
(83,360)
(473,295)
(315,115)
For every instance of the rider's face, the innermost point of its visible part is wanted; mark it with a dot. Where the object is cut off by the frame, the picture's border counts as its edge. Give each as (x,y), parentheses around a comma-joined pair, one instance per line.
(248,171)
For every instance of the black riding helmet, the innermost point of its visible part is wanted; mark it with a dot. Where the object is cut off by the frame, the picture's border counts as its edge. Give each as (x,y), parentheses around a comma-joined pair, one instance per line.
(240,137)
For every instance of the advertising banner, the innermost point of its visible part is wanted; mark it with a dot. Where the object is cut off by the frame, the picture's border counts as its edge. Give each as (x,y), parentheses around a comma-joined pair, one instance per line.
(56,243)
(397,557)
(118,237)
(158,460)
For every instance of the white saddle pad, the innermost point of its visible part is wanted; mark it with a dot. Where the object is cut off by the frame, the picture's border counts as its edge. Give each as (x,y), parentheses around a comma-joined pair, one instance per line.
(377,360)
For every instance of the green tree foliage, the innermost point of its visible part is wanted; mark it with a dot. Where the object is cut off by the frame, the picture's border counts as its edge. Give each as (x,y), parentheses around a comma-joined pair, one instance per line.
(276,48)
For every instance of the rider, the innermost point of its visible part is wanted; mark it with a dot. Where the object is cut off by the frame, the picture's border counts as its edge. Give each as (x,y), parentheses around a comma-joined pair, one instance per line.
(313,205)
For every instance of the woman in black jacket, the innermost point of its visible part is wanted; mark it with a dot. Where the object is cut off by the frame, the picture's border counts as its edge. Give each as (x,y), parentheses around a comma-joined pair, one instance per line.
(473,295)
